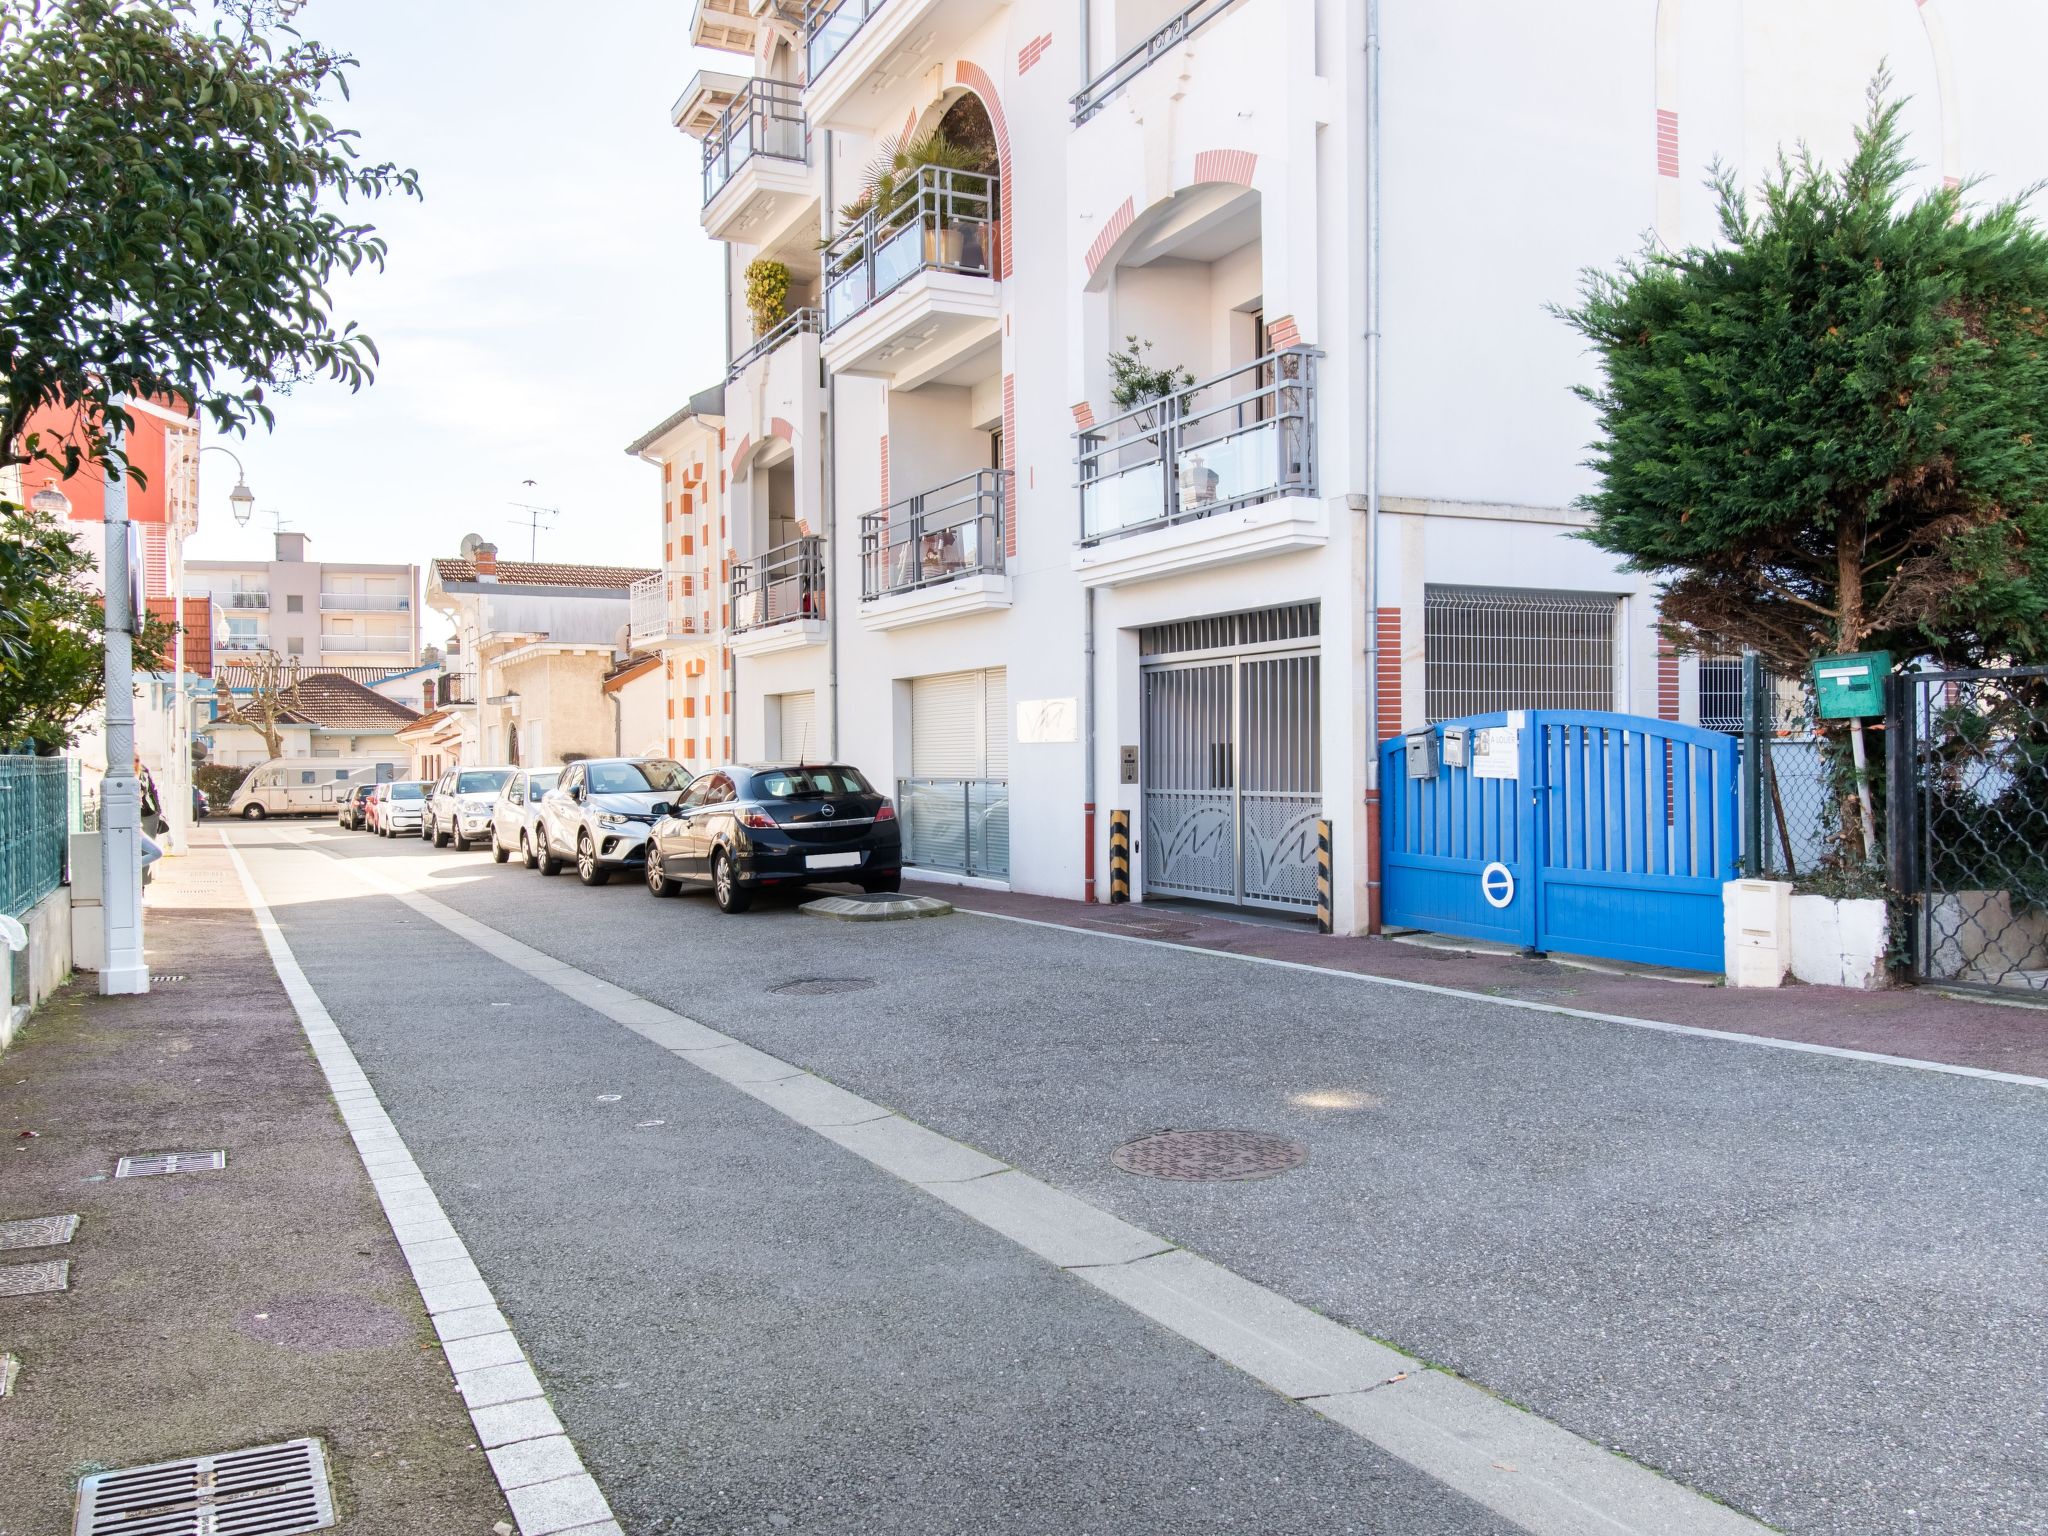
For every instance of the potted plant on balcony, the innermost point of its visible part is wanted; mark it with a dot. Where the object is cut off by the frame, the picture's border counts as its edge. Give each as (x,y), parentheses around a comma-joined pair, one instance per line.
(1133,382)
(767,293)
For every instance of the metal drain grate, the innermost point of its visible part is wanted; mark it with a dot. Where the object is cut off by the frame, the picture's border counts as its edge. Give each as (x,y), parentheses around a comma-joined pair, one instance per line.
(35,1279)
(37,1232)
(270,1490)
(157,981)
(1209,1155)
(824,986)
(170,1162)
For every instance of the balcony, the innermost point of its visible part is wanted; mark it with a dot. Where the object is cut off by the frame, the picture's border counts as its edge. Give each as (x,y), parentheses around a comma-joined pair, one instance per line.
(936,555)
(1090,98)
(865,58)
(778,600)
(910,288)
(242,643)
(803,322)
(244,599)
(397,643)
(364,602)
(1222,472)
(757,175)
(651,620)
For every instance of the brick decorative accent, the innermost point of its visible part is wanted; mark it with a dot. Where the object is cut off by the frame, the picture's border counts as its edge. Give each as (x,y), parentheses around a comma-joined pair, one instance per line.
(1667,680)
(1032,52)
(1231,165)
(1283,332)
(1010,463)
(976,79)
(885,469)
(1667,142)
(1110,233)
(1387,670)
(1084,417)
(782,429)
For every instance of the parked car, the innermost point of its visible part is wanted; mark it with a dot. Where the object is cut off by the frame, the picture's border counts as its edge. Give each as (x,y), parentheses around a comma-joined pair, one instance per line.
(513,817)
(743,827)
(397,808)
(350,807)
(459,806)
(305,786)
(600,812)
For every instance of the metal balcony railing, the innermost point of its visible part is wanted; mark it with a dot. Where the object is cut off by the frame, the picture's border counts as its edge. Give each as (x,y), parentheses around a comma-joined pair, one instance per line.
(241,643)
(788,582)
(941,219)
(647,610)
(365,602)
(244,599)
(396,643)
(766,118)
(1090,98)
(797,323)
(952,530)
(961,825)
(829,25)
(1244,436)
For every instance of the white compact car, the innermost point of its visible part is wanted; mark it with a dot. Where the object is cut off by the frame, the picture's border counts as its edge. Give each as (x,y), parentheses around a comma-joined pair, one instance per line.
(460,804)
(395,809)
(601,812)
(517,810)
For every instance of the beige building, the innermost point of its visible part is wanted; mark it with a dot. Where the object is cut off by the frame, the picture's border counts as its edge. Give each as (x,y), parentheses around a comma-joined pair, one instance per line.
(327,614)
(321,715)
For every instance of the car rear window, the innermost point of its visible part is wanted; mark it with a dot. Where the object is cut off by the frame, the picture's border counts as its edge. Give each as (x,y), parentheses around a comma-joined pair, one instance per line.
(407,791)
(809,783)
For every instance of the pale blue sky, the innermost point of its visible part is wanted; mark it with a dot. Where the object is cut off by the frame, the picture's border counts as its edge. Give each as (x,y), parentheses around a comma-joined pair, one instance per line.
(549,299)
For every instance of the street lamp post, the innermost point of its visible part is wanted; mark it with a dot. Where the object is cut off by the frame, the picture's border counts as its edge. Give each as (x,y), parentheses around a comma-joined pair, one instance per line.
(124,968)
(241,500)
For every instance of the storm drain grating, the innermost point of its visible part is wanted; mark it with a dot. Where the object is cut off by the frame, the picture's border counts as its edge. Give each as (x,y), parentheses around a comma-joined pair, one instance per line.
(35,1279)
(37,1232)
(170,1162)
(823,986)
(1209,1155)
(269,1490)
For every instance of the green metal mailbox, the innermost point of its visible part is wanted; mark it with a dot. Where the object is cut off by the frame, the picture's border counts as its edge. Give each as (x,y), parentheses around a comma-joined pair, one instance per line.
(1849,687)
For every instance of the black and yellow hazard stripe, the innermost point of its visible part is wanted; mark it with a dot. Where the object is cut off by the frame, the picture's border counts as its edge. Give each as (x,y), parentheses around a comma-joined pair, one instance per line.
(1119,856)
(1326,900)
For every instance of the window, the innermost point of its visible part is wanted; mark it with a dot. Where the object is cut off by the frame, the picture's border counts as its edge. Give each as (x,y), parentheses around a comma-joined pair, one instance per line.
(309,776)
(636,778)
(294,603)
(408,791)
(481,780)
(342,773)
(538,784)
(294,646)
(1488,649)
(697,793)
(810,783)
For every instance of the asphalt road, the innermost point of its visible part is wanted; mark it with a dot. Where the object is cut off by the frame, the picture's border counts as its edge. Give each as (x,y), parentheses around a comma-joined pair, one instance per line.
(1811,1287)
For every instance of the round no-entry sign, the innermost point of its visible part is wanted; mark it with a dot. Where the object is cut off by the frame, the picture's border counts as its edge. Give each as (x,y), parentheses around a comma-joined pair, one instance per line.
(1497,884)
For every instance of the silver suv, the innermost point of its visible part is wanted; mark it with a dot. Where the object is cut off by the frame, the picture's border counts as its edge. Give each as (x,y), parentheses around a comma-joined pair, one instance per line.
(601,812)
(459,806)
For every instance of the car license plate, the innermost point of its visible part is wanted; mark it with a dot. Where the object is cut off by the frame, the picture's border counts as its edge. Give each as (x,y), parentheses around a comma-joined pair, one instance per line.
(831,860)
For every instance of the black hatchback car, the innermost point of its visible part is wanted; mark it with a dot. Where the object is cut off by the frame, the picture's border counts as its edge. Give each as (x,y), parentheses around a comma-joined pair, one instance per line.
(748,825)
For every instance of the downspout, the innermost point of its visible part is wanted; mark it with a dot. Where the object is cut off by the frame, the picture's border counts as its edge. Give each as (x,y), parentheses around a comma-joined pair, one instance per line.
(1372,456)
(828,498)
(1087,641)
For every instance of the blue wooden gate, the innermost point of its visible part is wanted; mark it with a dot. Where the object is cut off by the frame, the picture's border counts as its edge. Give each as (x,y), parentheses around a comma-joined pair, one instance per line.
(1613,837)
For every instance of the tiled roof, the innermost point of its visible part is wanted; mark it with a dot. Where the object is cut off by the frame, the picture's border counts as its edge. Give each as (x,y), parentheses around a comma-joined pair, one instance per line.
(196,638)
(524,573)
(234,669)
(428,723)
(336,704)
(626,671)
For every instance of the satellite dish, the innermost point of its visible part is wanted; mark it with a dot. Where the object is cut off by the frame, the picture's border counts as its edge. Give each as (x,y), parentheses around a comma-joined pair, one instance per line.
(469,544)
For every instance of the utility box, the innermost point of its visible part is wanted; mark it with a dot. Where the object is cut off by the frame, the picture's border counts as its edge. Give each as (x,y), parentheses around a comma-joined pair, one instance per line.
(1851,687)
(1756,919)
(1422,754)
(1457,750)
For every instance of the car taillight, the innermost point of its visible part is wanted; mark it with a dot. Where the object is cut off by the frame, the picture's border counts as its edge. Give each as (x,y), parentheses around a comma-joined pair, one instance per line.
(757,818)
(886,811)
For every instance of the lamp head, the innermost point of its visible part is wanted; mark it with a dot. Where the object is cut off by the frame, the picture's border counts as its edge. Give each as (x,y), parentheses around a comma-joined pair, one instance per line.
(242,501)
(51,502)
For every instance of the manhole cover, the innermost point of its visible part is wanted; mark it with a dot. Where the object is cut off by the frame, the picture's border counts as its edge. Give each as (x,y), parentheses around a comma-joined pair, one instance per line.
(269,1490)
(823,986)
(170,1162)
(37,1232)
(35,1279)
(1209,1155)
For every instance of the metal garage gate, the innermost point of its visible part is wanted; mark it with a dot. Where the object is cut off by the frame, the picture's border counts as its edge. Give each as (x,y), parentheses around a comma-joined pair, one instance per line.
(1231,758)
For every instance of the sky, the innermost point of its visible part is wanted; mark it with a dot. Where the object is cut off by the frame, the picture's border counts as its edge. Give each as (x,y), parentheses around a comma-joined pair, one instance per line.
(540,308)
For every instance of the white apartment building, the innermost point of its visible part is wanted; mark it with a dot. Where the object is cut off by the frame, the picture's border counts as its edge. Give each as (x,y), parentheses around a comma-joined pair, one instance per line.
(911,530)
(324,613)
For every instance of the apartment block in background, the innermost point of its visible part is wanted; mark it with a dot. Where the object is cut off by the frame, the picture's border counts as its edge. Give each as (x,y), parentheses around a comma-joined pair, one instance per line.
(321,613)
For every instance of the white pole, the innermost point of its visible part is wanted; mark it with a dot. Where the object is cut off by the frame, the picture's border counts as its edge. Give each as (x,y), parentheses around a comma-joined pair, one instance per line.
(1863,790)
(124,969)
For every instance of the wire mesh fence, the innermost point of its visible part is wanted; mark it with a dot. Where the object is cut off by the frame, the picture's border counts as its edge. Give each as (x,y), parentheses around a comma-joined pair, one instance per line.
(35,829)
(1972,857)
(1795,778)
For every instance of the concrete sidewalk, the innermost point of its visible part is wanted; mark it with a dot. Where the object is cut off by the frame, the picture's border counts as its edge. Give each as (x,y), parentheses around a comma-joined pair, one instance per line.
(209,1311)
(1920,1025)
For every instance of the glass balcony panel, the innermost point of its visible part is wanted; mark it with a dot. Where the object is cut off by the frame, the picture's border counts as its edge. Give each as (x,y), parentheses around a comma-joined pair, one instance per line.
(988,829)
(1123,499)
(934,816)
(950,531)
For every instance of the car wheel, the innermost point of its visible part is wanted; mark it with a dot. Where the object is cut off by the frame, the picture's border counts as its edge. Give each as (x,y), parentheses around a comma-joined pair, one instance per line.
(883,884)
(499,852)
(461,843)
(657,883)
(588,870)
(725,884)
(426,830)
(547,863)
(253,813)
(526,854)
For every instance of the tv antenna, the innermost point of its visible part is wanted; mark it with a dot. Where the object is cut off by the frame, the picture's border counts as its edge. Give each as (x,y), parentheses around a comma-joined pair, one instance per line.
(536,519)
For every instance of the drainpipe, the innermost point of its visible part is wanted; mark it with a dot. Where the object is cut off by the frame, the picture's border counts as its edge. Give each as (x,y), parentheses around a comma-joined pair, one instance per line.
(1372,455)
(828,498)
(1087,624)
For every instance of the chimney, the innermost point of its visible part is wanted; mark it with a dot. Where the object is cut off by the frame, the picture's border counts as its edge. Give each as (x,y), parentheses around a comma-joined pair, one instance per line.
(485,558)
(291,547)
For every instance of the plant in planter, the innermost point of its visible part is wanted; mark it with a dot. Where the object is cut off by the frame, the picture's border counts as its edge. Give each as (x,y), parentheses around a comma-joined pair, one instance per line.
(1134,382)
(767,293)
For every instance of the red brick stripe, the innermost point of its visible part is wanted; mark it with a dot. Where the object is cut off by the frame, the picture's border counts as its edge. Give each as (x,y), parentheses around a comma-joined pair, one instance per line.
(1032,52)
(885,469)
(1112,232)
(1084,417)
(976,79)
(1387,667)
(782,429)
(1232,165)
(1667,143)
(1010,463)
(1284,332)
(1667,681)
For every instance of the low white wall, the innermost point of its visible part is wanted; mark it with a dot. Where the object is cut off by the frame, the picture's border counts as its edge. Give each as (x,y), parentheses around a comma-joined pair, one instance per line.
(1839,943)
(39,969)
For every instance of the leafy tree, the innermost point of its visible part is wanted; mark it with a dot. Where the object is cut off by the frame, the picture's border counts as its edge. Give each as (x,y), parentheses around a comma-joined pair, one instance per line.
(55,672)
(1826,433)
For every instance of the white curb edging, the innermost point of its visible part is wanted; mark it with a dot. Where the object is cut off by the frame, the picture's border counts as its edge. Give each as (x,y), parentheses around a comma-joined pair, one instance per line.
(531,1456)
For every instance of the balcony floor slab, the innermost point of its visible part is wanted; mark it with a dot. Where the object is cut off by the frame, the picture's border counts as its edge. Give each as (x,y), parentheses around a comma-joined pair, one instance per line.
(981,592)
(790,635)
(1254,532)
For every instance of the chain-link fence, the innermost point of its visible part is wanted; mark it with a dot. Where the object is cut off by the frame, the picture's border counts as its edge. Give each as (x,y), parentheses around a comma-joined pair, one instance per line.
(1792,801)
(35,828)
(1971,853)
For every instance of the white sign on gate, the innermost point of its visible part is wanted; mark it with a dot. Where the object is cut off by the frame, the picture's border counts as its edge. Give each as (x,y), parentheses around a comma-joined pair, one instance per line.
(1497,753)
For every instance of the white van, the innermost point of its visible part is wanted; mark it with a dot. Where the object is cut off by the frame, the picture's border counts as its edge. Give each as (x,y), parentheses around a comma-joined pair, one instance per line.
(308,786)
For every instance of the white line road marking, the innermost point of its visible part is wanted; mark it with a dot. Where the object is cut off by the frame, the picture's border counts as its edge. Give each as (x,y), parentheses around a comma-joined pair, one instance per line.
(1539,1475)
(1800,1047)
(506,1402)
